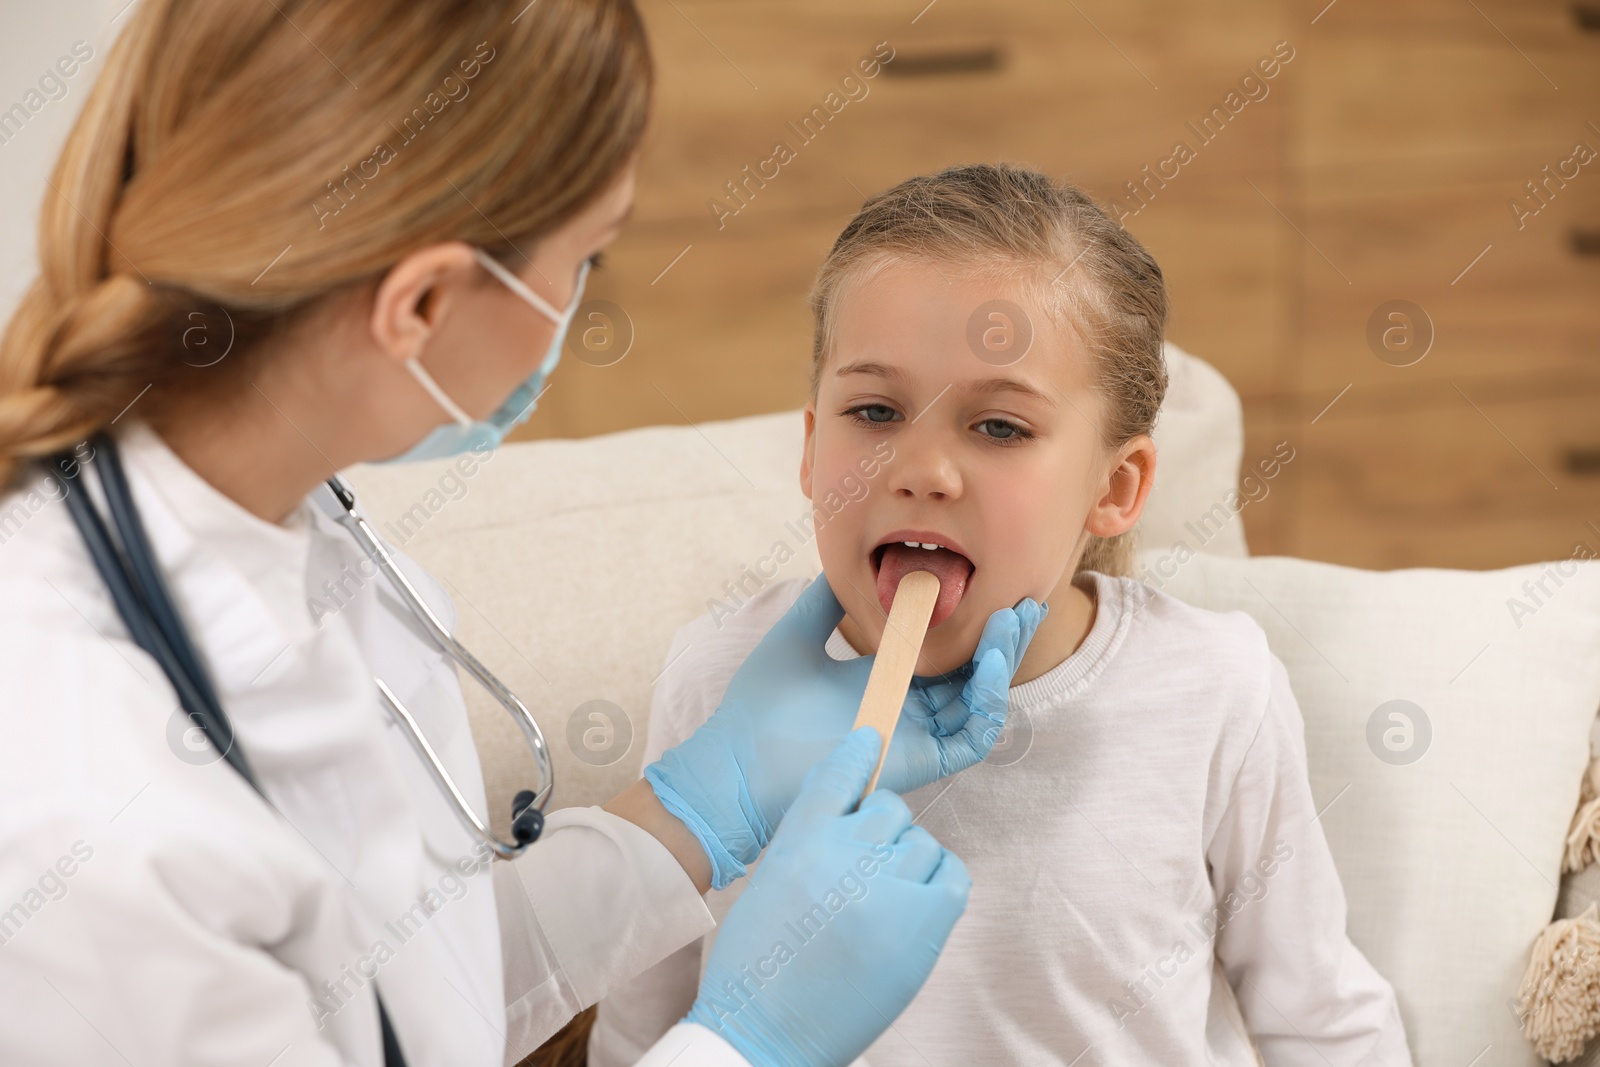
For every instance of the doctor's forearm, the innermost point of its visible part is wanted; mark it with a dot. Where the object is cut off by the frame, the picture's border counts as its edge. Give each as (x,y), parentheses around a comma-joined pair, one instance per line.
(639,805)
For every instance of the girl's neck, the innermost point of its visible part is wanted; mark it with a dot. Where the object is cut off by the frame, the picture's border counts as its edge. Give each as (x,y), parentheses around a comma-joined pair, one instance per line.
(1072,614)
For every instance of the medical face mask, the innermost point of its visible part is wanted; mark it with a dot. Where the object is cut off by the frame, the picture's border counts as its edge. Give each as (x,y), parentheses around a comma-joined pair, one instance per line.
(469,434)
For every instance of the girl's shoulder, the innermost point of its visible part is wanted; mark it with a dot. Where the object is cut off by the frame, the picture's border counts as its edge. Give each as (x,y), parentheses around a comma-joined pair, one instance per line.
(742,617)
(1173,640)
(705,654)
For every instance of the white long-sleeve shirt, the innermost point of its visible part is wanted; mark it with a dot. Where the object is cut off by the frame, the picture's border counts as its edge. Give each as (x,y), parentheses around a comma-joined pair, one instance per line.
(1150,885)
(154,911)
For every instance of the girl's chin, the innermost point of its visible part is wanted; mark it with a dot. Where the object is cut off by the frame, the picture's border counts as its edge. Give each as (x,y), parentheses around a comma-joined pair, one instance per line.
(945,651)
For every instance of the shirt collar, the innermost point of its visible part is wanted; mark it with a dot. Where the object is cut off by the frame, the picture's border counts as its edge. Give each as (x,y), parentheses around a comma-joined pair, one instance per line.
(271,558)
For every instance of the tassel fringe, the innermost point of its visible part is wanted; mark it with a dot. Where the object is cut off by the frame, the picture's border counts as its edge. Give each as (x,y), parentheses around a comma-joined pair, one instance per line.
(1560,992)
(1583,837)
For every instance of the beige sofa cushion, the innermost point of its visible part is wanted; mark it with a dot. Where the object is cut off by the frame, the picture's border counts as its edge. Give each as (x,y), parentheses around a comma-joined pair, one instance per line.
(573,562)
(1447,823)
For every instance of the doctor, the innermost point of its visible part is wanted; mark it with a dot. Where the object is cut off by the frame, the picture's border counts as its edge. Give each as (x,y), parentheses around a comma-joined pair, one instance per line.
(287,237)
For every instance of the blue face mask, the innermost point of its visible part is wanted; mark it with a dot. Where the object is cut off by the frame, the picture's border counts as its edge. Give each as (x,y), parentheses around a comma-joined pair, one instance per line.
(469,434)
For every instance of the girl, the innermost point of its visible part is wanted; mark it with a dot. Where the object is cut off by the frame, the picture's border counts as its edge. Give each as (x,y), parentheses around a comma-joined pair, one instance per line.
(1150,881)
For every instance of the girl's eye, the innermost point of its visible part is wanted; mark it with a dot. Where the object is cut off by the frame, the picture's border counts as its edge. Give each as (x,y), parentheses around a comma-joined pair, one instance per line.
(1010,431)
(1000,431)
(855,413)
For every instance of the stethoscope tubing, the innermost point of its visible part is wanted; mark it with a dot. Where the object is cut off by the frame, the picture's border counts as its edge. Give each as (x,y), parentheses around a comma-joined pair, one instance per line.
(528,808)
(141,599)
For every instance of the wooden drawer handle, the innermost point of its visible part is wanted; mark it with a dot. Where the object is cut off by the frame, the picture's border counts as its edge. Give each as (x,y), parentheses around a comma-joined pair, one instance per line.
(1586,242)
(1587,16)
(983,59)
(1584,461)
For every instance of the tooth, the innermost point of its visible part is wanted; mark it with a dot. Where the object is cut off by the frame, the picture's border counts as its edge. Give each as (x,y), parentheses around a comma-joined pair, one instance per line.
(910,544)
(928,546)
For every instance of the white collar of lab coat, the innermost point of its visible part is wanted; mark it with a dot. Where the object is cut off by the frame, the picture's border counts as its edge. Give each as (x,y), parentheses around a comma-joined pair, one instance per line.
(270,558)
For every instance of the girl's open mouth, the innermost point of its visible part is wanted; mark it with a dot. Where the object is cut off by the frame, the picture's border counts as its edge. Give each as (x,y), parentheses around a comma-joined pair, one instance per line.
(894,559)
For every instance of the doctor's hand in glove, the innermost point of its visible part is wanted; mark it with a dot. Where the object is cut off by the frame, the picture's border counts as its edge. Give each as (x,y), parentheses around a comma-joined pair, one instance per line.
(789,704)
(839,926)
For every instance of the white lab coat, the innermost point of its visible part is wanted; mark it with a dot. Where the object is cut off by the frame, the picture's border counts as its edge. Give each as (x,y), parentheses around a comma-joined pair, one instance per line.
(154,911)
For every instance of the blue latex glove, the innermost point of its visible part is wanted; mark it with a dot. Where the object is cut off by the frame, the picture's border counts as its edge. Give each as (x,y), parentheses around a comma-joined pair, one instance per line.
(789,704)
(838,928)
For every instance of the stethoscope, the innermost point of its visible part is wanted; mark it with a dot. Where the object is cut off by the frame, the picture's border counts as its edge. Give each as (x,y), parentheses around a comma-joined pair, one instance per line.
(142,599)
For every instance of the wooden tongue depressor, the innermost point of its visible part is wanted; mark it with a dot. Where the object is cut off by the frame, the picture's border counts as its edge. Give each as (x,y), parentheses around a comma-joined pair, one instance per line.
(896,660)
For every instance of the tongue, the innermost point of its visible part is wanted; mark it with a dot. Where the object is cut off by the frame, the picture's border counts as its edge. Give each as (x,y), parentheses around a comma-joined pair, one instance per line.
(951,568)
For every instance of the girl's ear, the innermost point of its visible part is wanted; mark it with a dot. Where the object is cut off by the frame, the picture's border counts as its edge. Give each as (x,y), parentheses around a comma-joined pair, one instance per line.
(1125,489)
(809,450)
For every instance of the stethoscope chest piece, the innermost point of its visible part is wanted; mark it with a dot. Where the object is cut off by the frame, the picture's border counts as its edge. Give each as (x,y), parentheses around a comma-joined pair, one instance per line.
(527,821)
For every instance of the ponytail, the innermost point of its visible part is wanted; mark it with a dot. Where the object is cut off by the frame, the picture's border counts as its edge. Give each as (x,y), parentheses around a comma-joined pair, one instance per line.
(71,351)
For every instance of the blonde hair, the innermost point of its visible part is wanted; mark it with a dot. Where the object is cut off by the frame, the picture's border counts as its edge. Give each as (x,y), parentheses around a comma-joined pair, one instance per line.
(226,165)
(1095,277)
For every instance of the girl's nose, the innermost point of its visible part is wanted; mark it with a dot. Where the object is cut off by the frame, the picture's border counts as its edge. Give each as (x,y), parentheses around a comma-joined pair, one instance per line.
(924,465)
